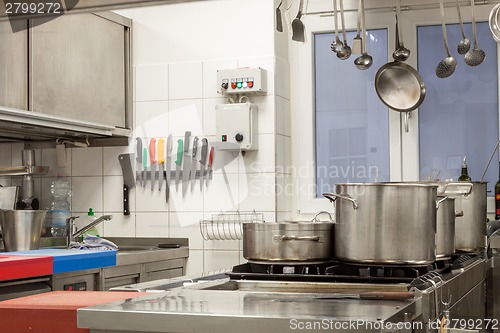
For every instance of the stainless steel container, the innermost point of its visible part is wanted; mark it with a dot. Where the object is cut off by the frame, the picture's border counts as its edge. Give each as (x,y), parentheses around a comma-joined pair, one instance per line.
(21,229)
(445,227)
(385,223)
(470,230)
(288,241)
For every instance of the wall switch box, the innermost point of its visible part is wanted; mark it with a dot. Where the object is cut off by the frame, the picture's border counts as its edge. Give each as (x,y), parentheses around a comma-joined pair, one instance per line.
(236,127)
(244,81)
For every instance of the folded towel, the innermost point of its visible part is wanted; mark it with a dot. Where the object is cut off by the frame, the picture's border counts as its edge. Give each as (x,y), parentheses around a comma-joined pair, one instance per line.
(91,242)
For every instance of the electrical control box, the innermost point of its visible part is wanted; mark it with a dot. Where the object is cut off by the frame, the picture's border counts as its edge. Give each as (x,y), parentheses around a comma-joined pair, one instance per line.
(242,81)
(236,127)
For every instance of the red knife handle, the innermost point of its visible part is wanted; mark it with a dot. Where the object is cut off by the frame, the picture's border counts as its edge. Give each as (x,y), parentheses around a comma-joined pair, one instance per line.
(211,157)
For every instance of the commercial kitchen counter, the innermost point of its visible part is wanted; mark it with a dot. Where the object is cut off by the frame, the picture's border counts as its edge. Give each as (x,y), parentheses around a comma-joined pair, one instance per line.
(205,308)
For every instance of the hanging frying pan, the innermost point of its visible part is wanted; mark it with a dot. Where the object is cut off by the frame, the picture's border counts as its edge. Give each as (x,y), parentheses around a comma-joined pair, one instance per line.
(398,85)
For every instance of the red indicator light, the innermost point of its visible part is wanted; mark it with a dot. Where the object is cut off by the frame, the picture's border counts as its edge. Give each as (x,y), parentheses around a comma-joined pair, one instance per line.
(233,85)
(250,84)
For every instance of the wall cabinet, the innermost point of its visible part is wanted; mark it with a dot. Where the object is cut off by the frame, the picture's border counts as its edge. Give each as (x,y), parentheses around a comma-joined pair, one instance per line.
(74,69)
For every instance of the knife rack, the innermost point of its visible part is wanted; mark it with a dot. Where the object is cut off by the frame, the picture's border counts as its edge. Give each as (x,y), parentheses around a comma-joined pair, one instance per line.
(228,226)
(198,175)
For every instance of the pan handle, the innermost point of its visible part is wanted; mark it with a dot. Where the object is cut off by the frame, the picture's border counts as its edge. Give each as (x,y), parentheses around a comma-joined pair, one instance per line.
(281,238)
(333,197)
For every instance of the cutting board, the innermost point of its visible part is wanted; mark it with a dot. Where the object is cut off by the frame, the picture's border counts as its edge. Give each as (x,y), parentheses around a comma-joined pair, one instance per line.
(18,267)
(54,312)
(65,260)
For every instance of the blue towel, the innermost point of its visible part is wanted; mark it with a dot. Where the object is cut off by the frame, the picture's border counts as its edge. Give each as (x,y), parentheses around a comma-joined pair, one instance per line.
(93,243)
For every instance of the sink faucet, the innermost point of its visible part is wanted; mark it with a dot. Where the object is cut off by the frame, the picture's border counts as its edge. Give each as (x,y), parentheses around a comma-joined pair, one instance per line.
(70,225)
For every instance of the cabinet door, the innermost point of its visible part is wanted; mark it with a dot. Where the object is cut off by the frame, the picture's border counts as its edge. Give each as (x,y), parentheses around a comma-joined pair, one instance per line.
(14,66)
(78,69)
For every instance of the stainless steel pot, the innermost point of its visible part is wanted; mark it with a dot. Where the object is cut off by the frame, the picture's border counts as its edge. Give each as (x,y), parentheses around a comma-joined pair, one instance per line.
(288,241)
(386,223)
(445,227)
(470,230)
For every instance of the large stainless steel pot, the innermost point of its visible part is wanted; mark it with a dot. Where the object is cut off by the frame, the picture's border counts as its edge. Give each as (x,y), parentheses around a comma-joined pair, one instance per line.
(445,227)
(386,223)
(288,241)
(470,230)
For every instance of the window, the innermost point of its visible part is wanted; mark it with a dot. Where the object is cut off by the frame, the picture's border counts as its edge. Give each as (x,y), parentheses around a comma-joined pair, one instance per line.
(351,124)
(460,114)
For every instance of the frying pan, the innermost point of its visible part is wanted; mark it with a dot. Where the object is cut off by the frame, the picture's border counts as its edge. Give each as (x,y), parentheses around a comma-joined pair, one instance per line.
(398,85)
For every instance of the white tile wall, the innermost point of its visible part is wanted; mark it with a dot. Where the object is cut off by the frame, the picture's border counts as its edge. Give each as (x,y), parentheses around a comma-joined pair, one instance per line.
(173,96)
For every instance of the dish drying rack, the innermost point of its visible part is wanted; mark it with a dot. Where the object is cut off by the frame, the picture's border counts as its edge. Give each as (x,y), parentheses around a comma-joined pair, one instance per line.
(228,226)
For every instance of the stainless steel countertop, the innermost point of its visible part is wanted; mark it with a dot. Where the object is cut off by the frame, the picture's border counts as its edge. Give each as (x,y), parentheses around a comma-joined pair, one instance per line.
(195,309)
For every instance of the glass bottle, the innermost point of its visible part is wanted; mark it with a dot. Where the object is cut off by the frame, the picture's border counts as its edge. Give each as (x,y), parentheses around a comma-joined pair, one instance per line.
(464,177)
(497,199)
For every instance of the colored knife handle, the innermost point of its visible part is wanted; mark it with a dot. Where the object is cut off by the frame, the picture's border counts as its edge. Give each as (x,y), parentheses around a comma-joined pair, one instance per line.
(161,151)
(152,151)
(195,146)
(180,150)
(138,156)
(211,157)
(169,144)
(187,135)
(204,151)
(145,158)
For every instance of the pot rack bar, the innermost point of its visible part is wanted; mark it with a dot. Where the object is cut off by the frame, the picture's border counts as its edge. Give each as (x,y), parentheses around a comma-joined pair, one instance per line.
(388,9)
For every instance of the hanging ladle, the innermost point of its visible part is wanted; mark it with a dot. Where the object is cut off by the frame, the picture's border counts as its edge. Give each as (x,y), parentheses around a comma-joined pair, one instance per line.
(447,66)
(364,61)
(475,56)
(401,53)
(464,44)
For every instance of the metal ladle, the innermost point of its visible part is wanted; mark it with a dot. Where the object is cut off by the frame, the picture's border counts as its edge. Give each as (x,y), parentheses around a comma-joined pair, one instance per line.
(364,61)
(345,51)
(464,45)
(447,66)
(401,53)
(475,56)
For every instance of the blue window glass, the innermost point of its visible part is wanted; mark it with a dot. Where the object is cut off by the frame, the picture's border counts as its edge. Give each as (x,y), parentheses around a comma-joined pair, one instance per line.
(459,116)
(352,125)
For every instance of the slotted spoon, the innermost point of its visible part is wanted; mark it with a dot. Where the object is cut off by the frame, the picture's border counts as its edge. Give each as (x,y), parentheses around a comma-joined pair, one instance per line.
(475,56)
(447,66)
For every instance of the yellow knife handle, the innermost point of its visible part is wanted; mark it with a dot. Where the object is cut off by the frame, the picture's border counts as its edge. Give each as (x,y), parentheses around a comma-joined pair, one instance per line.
(161,154)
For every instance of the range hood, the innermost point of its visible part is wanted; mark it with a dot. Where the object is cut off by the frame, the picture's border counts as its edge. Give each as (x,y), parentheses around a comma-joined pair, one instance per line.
(21,125)
(85,6)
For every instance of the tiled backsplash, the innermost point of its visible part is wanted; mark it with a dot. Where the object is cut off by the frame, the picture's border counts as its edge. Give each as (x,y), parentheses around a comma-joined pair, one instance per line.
(171,97)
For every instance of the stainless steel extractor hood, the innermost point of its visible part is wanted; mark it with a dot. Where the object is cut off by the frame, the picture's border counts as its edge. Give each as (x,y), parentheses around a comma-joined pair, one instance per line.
(21,125)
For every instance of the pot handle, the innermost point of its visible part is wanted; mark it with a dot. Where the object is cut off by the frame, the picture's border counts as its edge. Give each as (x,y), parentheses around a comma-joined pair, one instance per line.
(333,197)
(440,201)
(281,238)
(457,189)
(459,213)
(316,219)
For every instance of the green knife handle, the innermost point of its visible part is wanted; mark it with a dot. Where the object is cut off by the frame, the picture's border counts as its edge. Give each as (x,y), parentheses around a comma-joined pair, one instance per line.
(180,150)
(145,157)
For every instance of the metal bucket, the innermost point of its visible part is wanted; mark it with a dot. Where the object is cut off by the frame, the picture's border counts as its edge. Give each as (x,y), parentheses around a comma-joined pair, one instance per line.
(22,229)
(385,223)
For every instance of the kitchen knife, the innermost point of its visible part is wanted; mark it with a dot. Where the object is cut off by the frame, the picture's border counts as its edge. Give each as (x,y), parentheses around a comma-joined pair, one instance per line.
(194,162)
(144,166)
(186,166)
(178,163)
(128,179)
(203,160)
(210,164)
(161,162)
(138,158)
(373,295)
(152,160)
(169,166)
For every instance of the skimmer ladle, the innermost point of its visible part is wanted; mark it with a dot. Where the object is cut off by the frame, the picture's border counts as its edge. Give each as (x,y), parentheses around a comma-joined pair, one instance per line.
(464,44)
(475,56)
(447,66)
(364,61)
